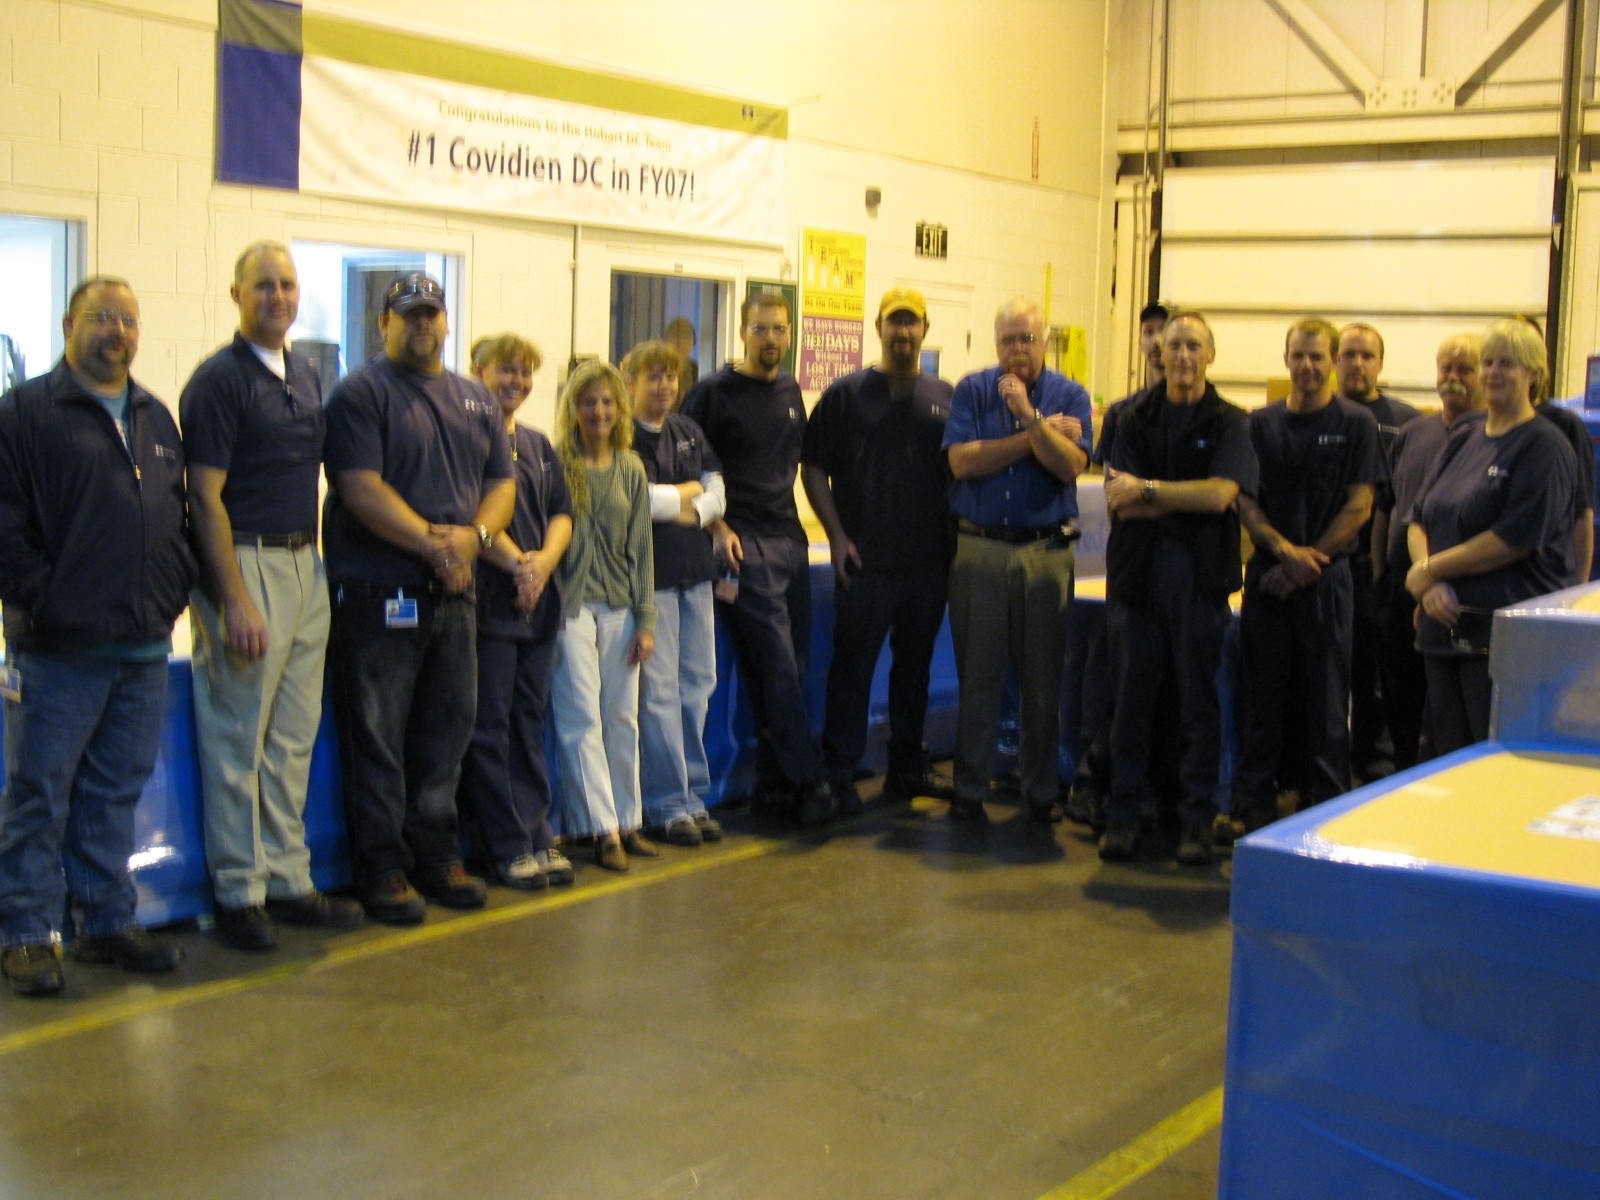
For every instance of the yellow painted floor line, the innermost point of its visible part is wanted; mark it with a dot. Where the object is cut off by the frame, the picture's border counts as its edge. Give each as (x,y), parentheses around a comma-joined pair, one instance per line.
(1145,1153)
(121,1011)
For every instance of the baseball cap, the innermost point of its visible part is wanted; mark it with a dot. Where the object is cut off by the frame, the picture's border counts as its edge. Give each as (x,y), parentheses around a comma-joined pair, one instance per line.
(904,299)
(412,291)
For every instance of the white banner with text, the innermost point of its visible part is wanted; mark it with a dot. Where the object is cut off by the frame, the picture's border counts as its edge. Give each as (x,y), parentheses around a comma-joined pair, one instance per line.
(374,134)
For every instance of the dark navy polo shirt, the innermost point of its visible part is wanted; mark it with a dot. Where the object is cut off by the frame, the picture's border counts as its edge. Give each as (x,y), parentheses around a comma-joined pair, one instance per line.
(437,440)
(678,453)
(265,432)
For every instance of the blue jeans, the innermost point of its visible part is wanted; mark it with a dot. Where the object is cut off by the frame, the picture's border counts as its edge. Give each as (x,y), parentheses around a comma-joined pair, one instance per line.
(79,749)
(674,694)
(405,701)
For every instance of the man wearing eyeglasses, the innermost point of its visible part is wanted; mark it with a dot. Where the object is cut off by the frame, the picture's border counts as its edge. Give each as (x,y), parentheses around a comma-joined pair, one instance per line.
(95,567)
(1017,438)
(753,415)
(877,481)
(253,428)
(421,484)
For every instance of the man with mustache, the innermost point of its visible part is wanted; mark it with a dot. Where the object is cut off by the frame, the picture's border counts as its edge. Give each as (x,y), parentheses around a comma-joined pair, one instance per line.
(753,415)
(1320,463)
(421,483)
(876,479)
(1416,447)
(94,569)
(1359,366)
(252,432)
(1017,437)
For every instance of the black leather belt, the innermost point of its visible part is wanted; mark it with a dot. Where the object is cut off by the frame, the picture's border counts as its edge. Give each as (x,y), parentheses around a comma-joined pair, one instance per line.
(275,541)
(1016,537)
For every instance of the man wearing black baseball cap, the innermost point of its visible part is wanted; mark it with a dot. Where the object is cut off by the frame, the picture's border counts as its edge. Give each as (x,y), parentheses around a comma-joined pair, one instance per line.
(421,482)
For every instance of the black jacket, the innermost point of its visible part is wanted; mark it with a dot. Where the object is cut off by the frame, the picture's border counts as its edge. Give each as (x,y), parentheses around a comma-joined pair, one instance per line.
(1213,539)
(93,536)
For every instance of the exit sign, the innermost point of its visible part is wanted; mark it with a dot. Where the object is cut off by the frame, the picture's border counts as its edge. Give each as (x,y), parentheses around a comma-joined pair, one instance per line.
(933,241)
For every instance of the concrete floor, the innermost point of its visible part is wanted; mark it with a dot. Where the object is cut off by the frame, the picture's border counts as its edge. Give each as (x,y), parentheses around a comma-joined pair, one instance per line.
(895,1008)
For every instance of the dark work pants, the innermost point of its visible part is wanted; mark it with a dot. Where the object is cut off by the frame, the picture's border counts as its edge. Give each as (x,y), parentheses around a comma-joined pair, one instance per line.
(505,777)
(1306,637)
(1175,631)
(404,703)
(906,607)
(1405,682)
(1366,704)
(1460,694)
(770,624)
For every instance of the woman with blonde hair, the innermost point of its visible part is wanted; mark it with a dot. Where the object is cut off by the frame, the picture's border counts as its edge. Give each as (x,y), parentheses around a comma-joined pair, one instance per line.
(608,614)
(1491,526)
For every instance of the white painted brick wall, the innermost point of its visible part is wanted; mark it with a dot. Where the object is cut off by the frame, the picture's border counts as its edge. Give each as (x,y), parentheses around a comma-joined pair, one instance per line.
(107,109)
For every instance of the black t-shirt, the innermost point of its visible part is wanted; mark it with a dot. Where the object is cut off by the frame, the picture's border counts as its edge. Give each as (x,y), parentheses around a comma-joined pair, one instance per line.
(755,426)
(879,441)
(436,439)
(677,453)
(265,432)
(1520,487)
(1309,462)
(1392,416)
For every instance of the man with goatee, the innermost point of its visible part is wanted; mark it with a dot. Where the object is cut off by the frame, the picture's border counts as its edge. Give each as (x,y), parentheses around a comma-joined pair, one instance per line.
(877,480)
(421,484)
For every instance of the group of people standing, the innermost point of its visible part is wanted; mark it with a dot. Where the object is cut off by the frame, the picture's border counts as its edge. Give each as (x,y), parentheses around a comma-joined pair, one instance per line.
(1382,540)
(477,577)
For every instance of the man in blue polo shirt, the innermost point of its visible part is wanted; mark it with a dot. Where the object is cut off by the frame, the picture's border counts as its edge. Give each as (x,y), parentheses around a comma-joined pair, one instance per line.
(422,483)
(1017,438)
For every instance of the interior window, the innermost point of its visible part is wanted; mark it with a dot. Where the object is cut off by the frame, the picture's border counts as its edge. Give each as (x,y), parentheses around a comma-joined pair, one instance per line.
(683,311)
(341,297)
(41,261)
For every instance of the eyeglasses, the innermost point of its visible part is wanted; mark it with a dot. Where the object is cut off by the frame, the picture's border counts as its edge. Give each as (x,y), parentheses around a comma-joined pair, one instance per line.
(1019,339)
(105,316)
(761,331)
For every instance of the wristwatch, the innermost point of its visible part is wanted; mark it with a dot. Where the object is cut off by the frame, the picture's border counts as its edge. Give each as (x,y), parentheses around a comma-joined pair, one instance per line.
(485,538)
(1148,491)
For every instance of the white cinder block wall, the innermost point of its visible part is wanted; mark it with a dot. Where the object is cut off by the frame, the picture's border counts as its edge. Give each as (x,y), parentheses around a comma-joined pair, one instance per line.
(106,113)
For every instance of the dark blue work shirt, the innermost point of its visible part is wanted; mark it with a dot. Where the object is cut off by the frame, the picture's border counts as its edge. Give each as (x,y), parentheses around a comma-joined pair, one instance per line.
(437,440)
(266,433)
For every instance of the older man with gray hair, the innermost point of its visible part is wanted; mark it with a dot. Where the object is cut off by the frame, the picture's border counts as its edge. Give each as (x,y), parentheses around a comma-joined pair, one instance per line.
(1416,447)
(1017,438)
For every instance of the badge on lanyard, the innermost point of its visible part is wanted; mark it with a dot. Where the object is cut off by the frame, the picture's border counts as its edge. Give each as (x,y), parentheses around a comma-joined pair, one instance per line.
(400,612)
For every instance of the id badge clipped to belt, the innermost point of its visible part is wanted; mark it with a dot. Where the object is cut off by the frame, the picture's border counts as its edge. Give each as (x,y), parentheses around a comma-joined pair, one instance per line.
(400,611)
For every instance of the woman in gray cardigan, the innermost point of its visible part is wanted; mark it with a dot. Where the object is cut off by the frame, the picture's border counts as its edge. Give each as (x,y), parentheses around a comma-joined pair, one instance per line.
(608,615)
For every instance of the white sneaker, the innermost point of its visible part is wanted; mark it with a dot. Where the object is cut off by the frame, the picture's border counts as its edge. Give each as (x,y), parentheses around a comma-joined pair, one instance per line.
(556,866)
(525,872)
